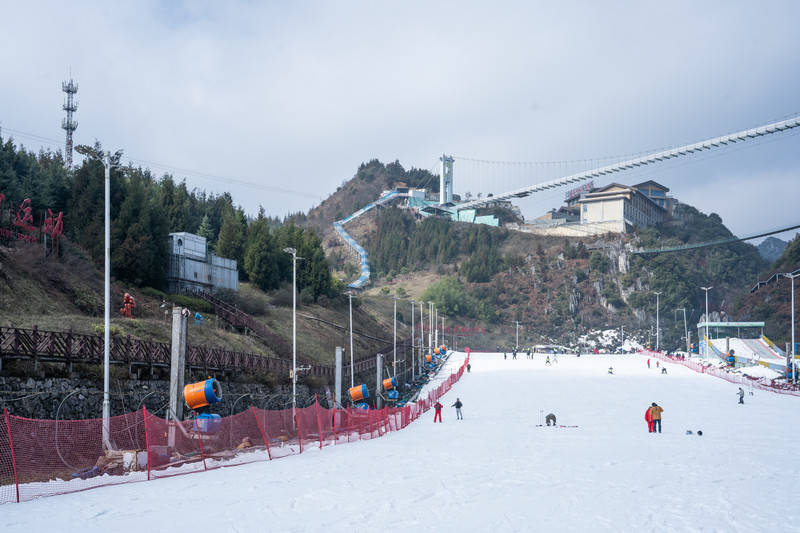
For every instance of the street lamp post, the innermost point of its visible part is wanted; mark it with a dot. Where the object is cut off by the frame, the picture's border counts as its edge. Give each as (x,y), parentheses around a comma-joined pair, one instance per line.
(293,251)
(658,331)
(708,345)
(516,345)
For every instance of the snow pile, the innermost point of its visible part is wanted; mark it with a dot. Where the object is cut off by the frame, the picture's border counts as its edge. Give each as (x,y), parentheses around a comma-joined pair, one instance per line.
(759,371)
(497,470)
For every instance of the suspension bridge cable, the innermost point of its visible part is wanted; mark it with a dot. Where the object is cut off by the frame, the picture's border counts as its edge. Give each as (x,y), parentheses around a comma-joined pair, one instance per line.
(712,243)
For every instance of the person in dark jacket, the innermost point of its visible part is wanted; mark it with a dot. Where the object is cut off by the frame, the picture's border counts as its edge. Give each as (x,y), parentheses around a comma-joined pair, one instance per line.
(741,395)
(550,418)
(469,367)
(438,413)
(458,406)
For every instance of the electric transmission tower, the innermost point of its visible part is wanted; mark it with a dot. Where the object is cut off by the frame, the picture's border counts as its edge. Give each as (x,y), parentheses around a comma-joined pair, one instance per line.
(70,106)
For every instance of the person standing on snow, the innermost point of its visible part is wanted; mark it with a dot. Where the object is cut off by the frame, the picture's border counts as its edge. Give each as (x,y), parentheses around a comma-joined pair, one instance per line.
(547,361)
(458,406)
(469,367)
(655,413)
(438,414)
(741,395)
(648,363)
(504,355)
(555,358)
(648,417)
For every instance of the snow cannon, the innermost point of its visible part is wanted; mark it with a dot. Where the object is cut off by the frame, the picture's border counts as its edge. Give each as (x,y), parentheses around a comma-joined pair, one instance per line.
(207,423)
(359,392)
(389,384)
(362,406)
(436,350)
(428,358)
(393,395)
(202,393)
(443,349)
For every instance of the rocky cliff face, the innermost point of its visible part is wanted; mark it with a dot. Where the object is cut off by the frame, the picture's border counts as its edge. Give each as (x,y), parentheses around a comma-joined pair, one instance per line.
(771,248)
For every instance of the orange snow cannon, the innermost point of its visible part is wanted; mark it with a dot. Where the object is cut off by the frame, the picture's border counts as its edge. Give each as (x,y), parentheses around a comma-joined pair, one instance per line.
(436,350)
(202,393)
(359,392)
(429,358)
(389,384)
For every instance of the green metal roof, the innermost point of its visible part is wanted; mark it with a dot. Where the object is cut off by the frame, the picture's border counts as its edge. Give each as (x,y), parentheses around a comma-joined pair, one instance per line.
(731,324)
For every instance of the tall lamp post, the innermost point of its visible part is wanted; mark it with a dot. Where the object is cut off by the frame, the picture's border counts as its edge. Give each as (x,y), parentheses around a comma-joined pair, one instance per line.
(421,335)
(794,361)
(708,345)
(658,331)
(105,159)
(294,328)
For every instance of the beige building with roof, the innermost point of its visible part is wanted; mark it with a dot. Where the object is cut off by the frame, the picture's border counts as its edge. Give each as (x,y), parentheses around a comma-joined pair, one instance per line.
(621,207)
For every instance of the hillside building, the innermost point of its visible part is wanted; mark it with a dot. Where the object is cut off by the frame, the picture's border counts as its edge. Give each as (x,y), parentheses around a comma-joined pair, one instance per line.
(192,267)
(621,207)
(658,194)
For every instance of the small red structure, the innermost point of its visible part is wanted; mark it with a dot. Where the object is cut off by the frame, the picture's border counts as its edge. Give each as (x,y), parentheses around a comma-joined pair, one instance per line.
(128,304)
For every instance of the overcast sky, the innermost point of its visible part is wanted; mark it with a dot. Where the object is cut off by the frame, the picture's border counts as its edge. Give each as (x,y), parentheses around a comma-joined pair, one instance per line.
(293,96)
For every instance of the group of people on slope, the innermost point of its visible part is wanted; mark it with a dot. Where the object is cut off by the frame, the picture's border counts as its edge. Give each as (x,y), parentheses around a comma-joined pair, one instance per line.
(653,418)
(658,364)
(438,408)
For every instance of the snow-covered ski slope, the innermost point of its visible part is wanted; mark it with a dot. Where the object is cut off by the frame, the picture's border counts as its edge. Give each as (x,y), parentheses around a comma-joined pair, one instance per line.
(496,470)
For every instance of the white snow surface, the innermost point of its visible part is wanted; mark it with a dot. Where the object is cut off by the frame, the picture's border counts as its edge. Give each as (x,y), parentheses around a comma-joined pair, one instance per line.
(496,470)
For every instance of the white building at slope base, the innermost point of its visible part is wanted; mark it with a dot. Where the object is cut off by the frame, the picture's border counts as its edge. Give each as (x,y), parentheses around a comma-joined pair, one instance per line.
(192,267)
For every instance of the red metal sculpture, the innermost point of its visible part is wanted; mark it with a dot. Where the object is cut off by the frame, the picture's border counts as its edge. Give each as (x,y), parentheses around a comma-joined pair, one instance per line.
(128,303)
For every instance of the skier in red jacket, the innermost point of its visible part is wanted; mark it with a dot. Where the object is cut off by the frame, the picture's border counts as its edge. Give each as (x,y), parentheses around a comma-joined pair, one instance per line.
(648,417)
(438,414)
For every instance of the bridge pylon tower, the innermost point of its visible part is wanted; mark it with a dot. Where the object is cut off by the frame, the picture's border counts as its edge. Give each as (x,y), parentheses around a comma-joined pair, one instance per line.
(446,180)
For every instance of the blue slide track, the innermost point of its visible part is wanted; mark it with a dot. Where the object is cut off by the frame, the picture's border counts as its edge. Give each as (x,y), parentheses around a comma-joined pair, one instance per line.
(364,259)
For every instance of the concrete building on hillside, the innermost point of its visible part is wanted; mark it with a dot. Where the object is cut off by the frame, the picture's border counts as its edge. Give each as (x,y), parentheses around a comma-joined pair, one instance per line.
(192,267)
(620,207)
(658,194)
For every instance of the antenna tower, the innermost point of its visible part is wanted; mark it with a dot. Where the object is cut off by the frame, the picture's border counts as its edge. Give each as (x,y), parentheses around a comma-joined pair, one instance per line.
(70,106)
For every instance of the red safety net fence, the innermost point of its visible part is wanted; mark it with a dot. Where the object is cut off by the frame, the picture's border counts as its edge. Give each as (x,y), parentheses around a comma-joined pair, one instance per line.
(767,384)
(48,457)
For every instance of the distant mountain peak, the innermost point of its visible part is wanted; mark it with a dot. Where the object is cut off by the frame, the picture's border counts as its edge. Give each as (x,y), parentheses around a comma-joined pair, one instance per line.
(771,248)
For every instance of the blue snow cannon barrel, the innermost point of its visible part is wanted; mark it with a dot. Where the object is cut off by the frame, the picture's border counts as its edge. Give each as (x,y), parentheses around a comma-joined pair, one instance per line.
(207,423)
(362,406)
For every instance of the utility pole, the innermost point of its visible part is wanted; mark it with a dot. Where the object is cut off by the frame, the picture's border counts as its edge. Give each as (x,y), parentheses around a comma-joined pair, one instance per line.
(794,361)
(708,341)
(443,340)
(421,334)
(516,346)
(436,327)
(685,329)
(394,344)
(106,291)
(67,124)
(352,366)
(658,333)
(293,251)
(413,372)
